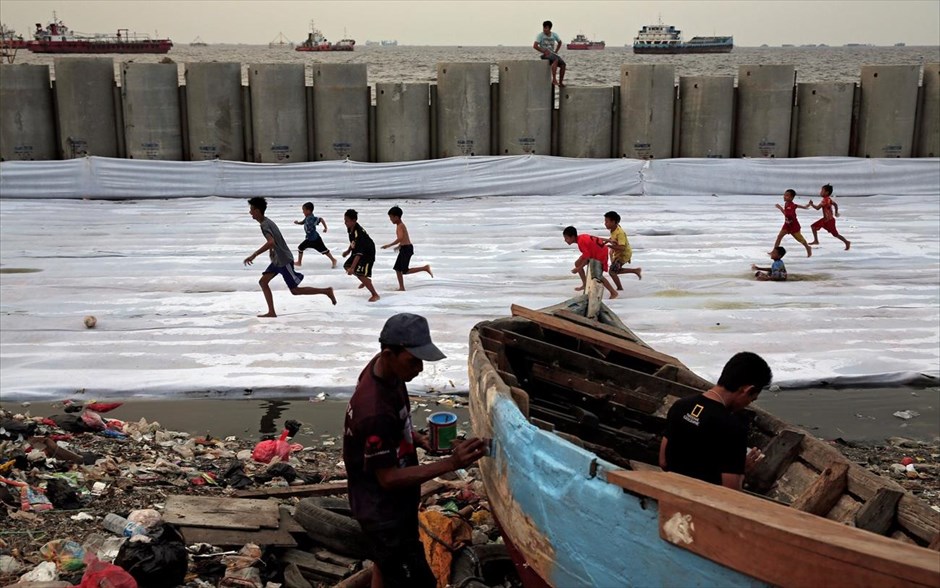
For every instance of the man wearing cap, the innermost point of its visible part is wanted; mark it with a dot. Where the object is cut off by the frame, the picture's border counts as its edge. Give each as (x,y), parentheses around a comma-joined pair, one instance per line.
(381,461)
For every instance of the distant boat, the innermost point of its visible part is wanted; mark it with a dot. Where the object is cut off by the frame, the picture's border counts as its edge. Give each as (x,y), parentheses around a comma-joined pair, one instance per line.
(382,43)
(900,44)
(281,42)
(667,39)
(580,42)
(317,42)
(858,45)
(198,42)
(788,45)
(57,38)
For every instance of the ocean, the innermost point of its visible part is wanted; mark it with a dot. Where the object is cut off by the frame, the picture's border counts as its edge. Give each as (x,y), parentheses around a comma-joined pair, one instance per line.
(585,68)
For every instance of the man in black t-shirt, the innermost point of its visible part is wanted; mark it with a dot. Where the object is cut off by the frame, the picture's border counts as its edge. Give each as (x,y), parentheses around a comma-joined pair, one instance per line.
(704,439)
(379,451)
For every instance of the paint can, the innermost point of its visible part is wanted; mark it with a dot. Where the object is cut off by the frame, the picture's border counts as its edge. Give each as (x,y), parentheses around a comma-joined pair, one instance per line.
(442,430)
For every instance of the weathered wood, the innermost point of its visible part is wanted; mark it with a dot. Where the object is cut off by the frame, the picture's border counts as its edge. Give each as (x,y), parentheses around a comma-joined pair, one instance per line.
(556,324)
(844,510)
(594,274)
(508,377)
(594,324)
(307,561)
(293,578)
(917,518)
(823,494)
(596,389)
(521,398)
(336,559)
(302,490)
(878,513)
(681,374)
(643,466)
(796,548)
(237,537)
(542,424)
(793,481)
(361,579)
(778,454)
(225,513)
(935,544)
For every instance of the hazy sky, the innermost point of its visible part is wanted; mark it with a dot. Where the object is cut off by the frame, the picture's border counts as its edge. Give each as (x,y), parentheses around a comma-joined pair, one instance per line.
(480,22)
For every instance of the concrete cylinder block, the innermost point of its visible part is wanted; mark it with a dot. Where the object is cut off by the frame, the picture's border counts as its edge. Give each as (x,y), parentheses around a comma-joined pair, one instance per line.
(150,98)
(824,119)
(887,110)
(278,112)
(214,111)
(403,122)
(340,111)
(27,130)
(928,142)
(647,110)
(84,98)
(463,109)
(706,116)
(526,100)
(764,110)
(585,121)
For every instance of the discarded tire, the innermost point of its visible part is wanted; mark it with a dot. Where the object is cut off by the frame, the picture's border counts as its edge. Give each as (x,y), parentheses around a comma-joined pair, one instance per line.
(482,566)
(332,504)
(338,532)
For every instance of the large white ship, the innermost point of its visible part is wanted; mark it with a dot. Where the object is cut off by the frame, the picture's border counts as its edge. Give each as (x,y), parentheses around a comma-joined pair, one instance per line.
(667,39)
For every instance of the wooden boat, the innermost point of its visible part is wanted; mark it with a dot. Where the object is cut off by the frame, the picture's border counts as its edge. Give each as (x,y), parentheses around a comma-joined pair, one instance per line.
(575,404)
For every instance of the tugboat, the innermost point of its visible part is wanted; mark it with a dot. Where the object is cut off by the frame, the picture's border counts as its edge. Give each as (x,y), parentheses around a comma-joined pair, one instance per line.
(667,39)
(580,42)
(317,42)
(57,38)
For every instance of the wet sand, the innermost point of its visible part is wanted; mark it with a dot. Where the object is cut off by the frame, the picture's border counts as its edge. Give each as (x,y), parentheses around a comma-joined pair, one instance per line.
(858,414)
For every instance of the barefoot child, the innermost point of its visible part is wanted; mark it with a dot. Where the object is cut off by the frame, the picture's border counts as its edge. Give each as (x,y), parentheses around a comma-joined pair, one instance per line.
(362,249)
(828,221)
(282,260)
(591,247)
(548,44)
(313,238)
(791,226)
(404,247)
(777,272)
(620,251)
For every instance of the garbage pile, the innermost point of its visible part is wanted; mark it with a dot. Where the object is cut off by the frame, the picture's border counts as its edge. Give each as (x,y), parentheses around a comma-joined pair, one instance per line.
(90,501)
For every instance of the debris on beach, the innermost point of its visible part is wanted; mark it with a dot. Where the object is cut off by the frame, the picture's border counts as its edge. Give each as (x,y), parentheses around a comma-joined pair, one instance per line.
(86,500)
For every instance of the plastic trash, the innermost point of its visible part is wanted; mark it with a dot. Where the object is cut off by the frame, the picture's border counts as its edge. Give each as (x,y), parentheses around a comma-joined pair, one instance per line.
(100,574)
(68,556)
(267,450)
(147,517)
(121,526)
(31,499)
(906,414)
(159,563)
(44,572)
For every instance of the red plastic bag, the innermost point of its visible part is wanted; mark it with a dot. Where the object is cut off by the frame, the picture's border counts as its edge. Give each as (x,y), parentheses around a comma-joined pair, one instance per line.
(99,574)
(265,451)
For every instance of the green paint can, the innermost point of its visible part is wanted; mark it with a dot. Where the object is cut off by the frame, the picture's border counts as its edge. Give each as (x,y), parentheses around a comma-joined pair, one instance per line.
(442,429)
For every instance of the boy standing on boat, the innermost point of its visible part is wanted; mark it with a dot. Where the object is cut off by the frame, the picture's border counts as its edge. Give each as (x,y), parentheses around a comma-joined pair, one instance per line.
(828,221)
(620,251)
(791,226)
(405,249)
(591,247)
(548,44)
(313,238)
(362,248)
(282,259)
(379,444)
(703,438)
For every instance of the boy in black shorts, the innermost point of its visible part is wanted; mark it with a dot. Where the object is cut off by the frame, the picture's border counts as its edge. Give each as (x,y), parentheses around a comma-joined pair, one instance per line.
(362,248)
(313,238)
(405,249)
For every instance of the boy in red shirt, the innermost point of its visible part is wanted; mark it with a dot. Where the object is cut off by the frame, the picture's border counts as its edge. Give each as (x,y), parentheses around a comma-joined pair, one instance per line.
(591,247)
(791,226)
(828,221)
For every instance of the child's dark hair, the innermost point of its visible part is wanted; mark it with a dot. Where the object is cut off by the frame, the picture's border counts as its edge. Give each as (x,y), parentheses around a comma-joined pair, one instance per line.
(612,216)
(828,189)
(547,23)
(308,206)
(351,214)
(258,202)
(394,211)
(570,232)
(745,368)
(791,191)
(780,251)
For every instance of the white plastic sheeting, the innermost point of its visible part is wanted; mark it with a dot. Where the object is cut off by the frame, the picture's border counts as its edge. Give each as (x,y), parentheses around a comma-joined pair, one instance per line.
(97,177)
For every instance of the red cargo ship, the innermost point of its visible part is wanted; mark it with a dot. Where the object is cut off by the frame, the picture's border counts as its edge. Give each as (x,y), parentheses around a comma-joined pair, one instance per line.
(317,42)
(580,42)
(57,38)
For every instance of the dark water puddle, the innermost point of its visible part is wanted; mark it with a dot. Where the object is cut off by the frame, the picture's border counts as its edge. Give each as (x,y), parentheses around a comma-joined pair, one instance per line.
(19,270)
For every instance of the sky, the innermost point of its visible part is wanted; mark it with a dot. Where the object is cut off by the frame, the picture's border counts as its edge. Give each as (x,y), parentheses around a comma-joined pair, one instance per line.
(481,22)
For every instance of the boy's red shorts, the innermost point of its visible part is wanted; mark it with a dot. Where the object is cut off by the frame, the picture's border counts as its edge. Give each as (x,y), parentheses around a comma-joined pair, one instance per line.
(829,225)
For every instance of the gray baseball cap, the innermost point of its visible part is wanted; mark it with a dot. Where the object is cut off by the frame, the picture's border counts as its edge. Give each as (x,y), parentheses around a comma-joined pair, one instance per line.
(411,331)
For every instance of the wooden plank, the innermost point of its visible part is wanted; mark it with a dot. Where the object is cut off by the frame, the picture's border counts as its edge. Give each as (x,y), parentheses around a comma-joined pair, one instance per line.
(683,375)
(307,561)
(879,513)
(594,324)
(508,377)
(595,291)
(643,466)
(596,389)
(796,548)
(844,510)
(238,537)
(778,455)
(793,482)
(226,513)
(935,544)
(521,398)
(917,518)
(596,337)
(823,494)
(324,489)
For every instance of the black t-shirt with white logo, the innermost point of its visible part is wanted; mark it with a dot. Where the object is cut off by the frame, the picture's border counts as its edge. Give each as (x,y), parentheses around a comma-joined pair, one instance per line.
(705,439)
(377,436)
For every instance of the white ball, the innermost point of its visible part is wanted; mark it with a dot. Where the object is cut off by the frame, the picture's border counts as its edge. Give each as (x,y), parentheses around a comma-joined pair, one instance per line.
(90,322)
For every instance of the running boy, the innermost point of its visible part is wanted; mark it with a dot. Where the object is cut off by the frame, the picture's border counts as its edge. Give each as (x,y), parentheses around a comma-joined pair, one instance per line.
(282,260)
(591,247)
(791,226)
(548,44)
(777,272)
(828,221)
(405,249)
(313,238)
(620,251)
(362,248)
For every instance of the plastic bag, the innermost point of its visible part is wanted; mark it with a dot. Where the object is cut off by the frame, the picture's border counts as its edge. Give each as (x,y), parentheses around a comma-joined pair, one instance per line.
(161,562)
(68,556)
(265,451)
(101,574)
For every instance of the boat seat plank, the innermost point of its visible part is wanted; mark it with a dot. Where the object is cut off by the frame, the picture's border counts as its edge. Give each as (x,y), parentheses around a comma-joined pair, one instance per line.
(778,455)
(844,510)
(824,492)
(879,513)
(683,375)
(828,553)
(593,324)
(643,466)
(559,325)
(508,377)
(916,517)
(793,482)
(571,380)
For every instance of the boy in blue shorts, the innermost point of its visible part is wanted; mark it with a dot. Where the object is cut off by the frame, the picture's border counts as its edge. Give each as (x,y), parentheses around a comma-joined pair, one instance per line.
(548,44)
(282,260)
(777,272)
(313,238)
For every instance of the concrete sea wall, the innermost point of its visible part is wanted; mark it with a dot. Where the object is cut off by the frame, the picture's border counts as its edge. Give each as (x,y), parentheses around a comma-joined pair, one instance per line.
(277,118)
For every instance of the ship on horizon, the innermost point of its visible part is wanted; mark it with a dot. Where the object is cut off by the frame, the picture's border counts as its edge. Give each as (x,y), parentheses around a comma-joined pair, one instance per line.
(667,39)
(56,37)
(580,42)
(317,42)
